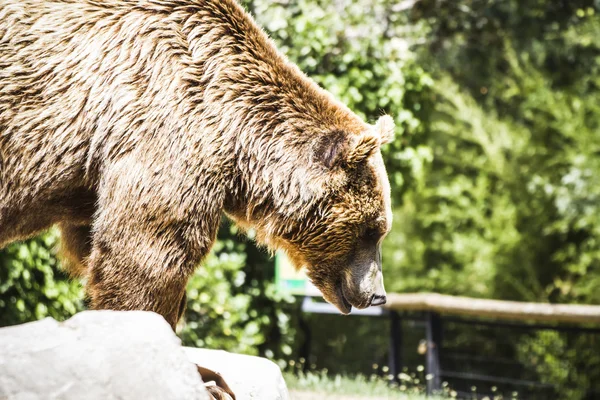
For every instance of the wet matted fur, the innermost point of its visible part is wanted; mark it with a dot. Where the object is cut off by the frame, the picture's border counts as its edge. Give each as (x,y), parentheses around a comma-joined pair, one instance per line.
(134,125)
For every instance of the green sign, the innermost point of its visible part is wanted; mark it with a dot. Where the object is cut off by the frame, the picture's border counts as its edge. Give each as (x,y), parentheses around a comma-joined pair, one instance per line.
(290,280)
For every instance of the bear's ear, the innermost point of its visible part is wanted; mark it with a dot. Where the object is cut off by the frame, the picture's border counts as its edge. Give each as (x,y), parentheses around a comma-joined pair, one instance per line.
(370,141)
(339,148)
(385,127)
(363,147)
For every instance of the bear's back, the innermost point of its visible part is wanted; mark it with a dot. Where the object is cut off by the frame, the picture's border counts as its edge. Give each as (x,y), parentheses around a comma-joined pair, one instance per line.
(82,80)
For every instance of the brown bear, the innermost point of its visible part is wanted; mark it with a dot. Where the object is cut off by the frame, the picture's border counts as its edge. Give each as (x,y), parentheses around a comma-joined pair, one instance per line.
(133,125)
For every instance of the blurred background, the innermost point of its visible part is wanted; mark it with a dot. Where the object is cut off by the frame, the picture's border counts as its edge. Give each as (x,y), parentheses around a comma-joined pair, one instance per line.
(495,174)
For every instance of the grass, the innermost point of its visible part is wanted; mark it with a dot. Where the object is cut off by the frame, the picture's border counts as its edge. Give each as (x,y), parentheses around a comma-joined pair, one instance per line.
(314,385)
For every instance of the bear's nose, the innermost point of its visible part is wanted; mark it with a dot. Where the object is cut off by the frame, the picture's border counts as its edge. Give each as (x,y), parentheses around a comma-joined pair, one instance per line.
(378,300)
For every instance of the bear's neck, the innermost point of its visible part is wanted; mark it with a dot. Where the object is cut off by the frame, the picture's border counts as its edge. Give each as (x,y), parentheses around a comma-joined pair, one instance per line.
(267,112)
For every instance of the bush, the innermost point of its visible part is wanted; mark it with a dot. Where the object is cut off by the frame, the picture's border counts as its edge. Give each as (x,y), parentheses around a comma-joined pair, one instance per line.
(32,286)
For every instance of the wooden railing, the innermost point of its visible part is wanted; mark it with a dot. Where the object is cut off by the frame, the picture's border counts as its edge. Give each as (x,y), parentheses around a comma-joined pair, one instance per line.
(494,309)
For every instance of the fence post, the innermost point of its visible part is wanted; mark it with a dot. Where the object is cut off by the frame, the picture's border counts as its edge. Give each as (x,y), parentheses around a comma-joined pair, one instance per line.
(305,347)
(434,344)
(395,356)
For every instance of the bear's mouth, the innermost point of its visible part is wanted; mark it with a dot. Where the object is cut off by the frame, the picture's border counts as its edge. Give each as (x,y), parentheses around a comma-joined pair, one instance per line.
(347,305)
(335,297)
(343,305)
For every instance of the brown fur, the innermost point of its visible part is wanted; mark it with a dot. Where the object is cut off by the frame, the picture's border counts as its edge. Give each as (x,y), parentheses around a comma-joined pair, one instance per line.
(135,124)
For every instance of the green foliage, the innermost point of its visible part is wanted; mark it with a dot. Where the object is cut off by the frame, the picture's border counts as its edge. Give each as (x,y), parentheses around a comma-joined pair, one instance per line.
(557,360)
(508,206)
(31,285)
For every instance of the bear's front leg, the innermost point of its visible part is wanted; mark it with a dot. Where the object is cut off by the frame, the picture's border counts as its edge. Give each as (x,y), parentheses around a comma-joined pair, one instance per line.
(139,264)
(146,242)
(124,278)
(125,274)
(147,237)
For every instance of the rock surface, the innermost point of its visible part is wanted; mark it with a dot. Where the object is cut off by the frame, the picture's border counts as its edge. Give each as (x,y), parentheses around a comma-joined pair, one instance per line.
(96,355)
(120,355)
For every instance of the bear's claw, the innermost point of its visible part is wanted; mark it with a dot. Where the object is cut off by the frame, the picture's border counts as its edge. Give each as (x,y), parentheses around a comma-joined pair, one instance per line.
(215,384)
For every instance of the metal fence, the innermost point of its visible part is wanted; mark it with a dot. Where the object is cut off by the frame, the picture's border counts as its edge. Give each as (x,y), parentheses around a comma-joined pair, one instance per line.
(480,359)
(504,355)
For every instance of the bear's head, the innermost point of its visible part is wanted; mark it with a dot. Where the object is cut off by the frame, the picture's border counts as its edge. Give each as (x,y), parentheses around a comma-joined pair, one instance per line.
(326,202)
(340,243)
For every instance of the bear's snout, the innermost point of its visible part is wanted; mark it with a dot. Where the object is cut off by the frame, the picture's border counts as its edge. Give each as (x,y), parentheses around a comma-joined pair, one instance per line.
(379,297)
(378,300)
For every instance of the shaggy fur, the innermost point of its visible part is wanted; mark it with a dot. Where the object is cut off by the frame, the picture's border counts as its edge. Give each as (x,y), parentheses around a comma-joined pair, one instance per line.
(134,125)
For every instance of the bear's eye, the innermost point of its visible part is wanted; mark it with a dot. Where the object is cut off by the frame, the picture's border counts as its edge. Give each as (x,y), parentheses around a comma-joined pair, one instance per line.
(372,234)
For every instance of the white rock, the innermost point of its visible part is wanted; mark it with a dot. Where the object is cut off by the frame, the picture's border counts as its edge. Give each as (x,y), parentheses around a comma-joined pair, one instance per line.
(250,378)
(121,355)
(100,355)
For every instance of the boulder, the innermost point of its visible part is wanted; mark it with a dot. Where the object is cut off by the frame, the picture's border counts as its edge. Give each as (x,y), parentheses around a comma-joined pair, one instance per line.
(120,355)
(96,355)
